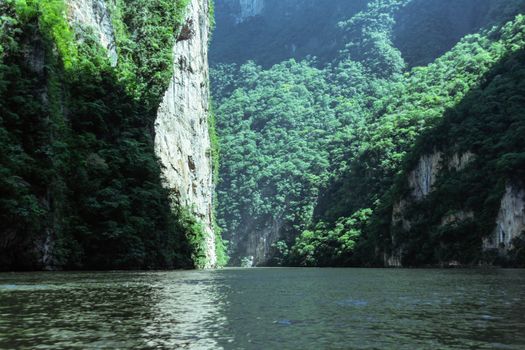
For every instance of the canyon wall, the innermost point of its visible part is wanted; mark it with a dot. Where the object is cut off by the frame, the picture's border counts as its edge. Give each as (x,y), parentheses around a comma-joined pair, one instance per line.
(182,139)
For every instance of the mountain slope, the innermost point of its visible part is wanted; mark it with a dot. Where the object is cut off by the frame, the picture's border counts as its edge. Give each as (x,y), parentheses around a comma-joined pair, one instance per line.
(310,150)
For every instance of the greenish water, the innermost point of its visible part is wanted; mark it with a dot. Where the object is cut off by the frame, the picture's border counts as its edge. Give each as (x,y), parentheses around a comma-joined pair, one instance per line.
(265,309)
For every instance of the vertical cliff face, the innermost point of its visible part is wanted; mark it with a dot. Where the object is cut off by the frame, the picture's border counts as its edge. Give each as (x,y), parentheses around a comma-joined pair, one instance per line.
(422,178)
(249,8)
(510,222)
(126,198)
(256,238)
(242,10)
(182,140)
(94,14)
(421,182)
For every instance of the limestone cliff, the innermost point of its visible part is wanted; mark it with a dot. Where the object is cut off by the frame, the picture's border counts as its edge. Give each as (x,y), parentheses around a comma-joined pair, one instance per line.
(249,8)
(94,14)
(257,238)
(422,178)
(510,222)
(421,181)
(508,225)
(182,141)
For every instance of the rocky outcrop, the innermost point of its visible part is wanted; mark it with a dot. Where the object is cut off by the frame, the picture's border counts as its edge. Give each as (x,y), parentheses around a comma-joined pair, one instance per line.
(93,15)
(510,222)
(424,175)
(460,161)
(398,214)
(393,260)
(249,8)
(182,141)
(421,181)
(239,11)
(457,217)
(260,241)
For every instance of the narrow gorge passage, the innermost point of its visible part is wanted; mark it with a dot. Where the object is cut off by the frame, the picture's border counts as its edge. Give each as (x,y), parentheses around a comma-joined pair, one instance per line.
(262,174)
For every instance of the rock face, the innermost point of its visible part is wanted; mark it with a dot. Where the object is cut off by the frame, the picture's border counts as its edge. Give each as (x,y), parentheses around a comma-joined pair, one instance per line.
(510,222)
(249,8)
(241,10)
(421,181)
(182,140)
(457,217)
(424,175)
(271,31)
(460,161)
(94,14)
(260,240)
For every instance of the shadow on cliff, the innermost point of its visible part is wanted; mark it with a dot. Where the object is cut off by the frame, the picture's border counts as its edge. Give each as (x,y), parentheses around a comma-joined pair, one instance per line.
(489,122)
(80,183)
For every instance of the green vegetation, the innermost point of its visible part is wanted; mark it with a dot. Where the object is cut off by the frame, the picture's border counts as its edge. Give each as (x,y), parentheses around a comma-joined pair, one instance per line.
(489,123)
(53,24)
(319,156)
(79,176)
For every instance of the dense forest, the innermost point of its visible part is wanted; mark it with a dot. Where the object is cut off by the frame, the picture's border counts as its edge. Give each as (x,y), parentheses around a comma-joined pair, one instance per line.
(80,184)
(318,152)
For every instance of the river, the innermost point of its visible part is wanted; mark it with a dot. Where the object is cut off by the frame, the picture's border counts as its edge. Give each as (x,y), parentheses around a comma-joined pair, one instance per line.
(264,309)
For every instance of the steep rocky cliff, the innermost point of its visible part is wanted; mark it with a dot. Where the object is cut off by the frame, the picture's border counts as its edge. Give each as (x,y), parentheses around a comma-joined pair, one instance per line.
(107,156)
(378,104)
(508,226)
(460,198)
(510,222)
(421,181)
(94,15)
(182,139)
(249,8)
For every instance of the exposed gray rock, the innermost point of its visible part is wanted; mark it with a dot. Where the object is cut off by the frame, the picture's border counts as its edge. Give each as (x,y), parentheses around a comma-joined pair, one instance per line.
(460,161)
(510,222)
(249,8)
(260,241)
(398,215)
(421,181)
(424,175)
(182,140)
(393,260)
(94,14)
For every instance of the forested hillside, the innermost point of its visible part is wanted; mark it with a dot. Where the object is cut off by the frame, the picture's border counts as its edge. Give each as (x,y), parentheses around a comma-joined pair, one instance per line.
(318,155)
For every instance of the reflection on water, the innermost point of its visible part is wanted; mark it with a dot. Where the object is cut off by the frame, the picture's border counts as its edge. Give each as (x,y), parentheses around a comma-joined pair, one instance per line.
(187,312)
(265,309)
(110,310)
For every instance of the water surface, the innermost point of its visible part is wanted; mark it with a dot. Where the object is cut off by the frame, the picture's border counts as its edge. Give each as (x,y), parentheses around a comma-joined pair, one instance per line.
(264,309)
